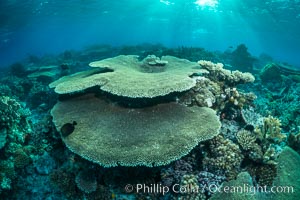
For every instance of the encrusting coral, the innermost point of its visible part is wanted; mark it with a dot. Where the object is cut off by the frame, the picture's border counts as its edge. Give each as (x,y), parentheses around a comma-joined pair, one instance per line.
(127,76)
(112,135)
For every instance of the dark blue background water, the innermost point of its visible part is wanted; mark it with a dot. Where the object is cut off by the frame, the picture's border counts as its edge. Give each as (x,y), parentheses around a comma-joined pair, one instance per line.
(40,27)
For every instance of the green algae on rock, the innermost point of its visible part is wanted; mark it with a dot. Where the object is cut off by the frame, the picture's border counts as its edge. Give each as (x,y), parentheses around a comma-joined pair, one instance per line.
(111,135)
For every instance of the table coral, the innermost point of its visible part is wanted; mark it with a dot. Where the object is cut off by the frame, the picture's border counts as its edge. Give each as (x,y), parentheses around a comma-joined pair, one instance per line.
(126,76)
(112,135)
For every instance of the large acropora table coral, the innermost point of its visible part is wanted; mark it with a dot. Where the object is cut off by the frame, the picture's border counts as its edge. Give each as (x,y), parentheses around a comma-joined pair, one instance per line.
(110,134)
(127,76)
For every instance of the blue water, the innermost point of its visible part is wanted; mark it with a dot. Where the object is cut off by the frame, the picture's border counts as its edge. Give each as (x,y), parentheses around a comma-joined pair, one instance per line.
(43,27)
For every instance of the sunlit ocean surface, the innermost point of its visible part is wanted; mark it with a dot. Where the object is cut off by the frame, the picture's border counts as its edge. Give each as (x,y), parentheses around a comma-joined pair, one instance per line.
(41,27)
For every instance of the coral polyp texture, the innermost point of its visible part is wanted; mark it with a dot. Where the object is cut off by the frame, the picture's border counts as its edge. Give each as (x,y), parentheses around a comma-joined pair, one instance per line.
(127,76)
(111,135)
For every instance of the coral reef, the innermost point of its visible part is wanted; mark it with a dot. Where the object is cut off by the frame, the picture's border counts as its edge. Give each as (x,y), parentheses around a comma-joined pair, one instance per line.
(173,174)
(229,129)
(15,127)
(207,181)
(246,139)
(21,159)
(64,182)
(223,155)
(135,83)
(190,189)
(230,78)
(286,184)
(271,130)
(112,135)
(46,74)
(270,72)
(35,163)
(218,89)
(3,135)
(18,69)
(263,175)
(293,141)
(288,174)
(252,118)
(243,178)
(86,181)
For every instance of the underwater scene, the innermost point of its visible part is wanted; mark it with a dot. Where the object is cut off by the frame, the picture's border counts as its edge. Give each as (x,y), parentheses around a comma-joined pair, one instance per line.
(149,99)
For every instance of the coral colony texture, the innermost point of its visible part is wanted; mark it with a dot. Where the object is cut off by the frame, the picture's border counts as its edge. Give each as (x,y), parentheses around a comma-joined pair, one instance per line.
(117,123)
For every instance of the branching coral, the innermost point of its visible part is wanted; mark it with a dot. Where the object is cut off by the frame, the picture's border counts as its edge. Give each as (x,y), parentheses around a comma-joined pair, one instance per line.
(14,126)
(265,153)
(205,93)
(224,155)
(270,130)
(218,74)
(174,173)
(217,89)
(286,182)
(209,180)
(252,118)
(190,189)
(246,139)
